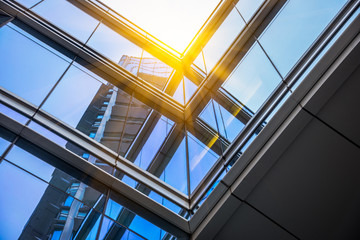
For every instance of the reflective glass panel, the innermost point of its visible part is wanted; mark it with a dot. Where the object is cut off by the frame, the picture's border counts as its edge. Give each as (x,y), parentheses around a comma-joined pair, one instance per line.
(6,137)
(247,8)
(229,125)
(114,46)
(174,164)
(253,80)
(28,3)
(136,116)
(201,158)
(77,23)
(55,172)
(199,62)
(73,96)
(285,43)
(154,142)
(179,93)
(13,114)
(154,71)
(39,209)
(22,194)
(30,163)
(222,39)
(128,219)
(112,230)
(24,63)
(190,89)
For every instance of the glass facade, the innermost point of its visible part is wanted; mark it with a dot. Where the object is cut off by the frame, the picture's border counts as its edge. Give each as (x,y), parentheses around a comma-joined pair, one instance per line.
(106,132)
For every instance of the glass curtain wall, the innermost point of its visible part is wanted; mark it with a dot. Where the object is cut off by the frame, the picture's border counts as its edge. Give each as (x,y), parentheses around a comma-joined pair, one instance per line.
(76,94)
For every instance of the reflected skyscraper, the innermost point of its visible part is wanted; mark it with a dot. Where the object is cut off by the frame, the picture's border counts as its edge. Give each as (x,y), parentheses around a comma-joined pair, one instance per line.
(107,119)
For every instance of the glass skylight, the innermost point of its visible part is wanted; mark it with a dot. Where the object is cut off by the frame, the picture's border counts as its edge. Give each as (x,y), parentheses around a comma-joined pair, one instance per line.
(173,22)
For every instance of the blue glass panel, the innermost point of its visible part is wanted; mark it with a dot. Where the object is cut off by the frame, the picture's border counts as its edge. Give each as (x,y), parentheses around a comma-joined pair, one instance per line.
(179,93)
(201,159)
(190,89)
(48,134)
(222,39)
(247,8)
(25,63)
(110,229)
(30,163)
(56,235)
(3,145)
(229,125)
(72,96)
(114,46)
(113,209)
(13,114)
(154,142)
(199,62)
(253,80)
(154,71)
(175,172)
(94,230)
(145,228)
(208,115)
(325,49)
(6,137)
(77,23)
(285,43)
(68,201)
(28,3)
(21,195)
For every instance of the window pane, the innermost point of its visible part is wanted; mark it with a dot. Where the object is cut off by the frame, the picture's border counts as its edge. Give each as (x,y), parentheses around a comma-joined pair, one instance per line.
(21,195)
(112,230)
(68,17)
(30,163)
(247,8)
(114,46)
(72,96)
(201,158)
(154,142)
(25,63)
(179,93)
(229,125)
(28,3)
(38,208)
(285,43)
(253,80)
(154,71)
(13,114)
(129,219)
(222,39)
(175,172)
(6,137)
(190,89)
(55,171)
(199,62)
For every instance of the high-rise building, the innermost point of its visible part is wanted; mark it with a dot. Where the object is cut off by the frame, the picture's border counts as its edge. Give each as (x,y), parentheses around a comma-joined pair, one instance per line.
(112,130)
